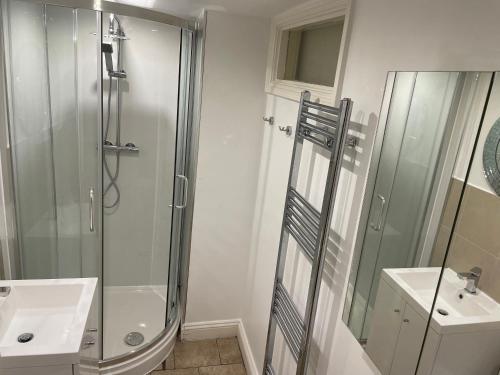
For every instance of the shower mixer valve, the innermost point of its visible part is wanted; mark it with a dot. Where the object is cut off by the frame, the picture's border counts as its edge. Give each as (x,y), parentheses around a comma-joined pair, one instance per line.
(129,147)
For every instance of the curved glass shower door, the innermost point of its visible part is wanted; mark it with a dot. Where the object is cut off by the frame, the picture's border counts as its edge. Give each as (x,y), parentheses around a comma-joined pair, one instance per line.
(139,161)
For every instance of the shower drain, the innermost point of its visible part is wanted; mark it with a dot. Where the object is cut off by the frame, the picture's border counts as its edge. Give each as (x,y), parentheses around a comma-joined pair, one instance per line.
(134,338)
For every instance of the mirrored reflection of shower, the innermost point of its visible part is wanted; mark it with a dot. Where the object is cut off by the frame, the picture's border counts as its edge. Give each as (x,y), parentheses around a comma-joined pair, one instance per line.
(117,36)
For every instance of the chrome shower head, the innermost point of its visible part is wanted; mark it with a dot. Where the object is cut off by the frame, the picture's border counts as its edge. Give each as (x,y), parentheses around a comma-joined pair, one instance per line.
(118,31)
(107,49)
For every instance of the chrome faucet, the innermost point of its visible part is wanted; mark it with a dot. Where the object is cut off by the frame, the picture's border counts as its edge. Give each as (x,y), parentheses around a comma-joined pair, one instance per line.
(4,291)
(472,278)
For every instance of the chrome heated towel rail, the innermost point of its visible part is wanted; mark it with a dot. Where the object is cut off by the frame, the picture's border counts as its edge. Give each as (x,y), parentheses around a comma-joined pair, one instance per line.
(326,127)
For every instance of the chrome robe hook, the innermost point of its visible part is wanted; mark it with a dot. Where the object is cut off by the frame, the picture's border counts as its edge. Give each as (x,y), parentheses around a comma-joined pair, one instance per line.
(286,129)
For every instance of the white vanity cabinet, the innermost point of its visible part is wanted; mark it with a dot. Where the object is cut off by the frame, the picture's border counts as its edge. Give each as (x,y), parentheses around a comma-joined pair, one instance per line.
(52,316)
(396,333)
(465,341)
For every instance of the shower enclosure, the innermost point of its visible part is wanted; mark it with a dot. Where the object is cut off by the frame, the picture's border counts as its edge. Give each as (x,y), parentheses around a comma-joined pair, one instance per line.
(97,108)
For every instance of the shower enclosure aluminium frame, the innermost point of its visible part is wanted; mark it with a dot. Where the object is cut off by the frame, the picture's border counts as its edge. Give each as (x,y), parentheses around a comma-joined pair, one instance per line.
(370,184)
(188,116)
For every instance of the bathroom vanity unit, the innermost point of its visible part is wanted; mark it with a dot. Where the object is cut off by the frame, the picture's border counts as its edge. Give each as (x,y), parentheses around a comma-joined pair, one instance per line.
(42,323)
(463,336)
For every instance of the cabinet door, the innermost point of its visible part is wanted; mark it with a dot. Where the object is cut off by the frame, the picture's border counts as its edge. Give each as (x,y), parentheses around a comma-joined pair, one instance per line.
(432,343)
(385,326)
(410,341)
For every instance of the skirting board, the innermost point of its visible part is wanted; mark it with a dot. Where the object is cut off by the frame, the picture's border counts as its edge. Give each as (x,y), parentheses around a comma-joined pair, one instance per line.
(223,328)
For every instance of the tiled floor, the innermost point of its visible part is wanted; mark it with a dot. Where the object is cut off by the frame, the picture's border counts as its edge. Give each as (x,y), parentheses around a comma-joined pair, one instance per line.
(206,357)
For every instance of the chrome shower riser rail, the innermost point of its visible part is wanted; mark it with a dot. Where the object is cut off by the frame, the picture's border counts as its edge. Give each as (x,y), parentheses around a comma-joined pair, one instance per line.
(309,227)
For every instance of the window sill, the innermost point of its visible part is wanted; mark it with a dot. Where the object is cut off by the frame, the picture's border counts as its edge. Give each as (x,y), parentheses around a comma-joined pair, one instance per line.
(293,89)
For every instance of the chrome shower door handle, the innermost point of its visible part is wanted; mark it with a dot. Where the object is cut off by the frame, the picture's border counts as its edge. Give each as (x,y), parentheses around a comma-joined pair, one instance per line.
(184,192)
(91,209)
(377,227)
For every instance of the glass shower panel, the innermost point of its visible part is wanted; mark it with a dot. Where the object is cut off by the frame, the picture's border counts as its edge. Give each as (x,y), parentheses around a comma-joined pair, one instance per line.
(53,98)
(49,127)
(408,164)
(31,139)
(140,118)
(89,100)
(402,94)
(64,138)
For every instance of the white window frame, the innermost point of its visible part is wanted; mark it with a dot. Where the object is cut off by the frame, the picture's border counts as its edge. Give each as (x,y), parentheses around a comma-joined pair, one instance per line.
(312,12)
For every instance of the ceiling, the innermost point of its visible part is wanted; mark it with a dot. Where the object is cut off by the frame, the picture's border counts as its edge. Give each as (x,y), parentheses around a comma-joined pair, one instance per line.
(259,8)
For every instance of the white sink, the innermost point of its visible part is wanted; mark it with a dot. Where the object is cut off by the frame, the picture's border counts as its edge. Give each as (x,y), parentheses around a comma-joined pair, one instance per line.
(54,311)
(465,312)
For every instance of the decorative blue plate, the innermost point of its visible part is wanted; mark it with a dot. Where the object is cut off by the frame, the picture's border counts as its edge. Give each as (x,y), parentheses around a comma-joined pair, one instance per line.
(491,157)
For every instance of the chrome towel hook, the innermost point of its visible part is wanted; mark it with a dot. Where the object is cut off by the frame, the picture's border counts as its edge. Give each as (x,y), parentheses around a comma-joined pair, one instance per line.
(286,129)
(270,120)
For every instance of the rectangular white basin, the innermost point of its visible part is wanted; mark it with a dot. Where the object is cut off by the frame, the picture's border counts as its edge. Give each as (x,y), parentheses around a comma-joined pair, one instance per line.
(456,310)
(55,312)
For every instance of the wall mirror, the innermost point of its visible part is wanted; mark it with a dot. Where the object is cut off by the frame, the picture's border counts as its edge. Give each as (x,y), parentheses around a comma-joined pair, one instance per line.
(463,337)
(422,151)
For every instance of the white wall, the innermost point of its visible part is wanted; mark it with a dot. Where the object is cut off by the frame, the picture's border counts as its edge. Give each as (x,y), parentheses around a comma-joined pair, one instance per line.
(386,35)
(230,142)
(273,175)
